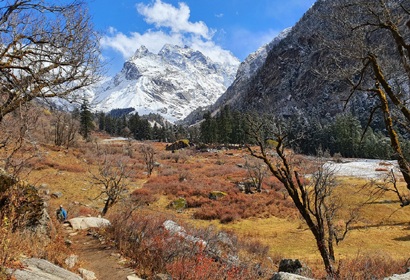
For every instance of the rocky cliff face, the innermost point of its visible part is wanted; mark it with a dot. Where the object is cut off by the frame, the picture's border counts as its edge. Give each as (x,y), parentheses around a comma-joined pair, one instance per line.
(246,71)
(299,75)
(171,83)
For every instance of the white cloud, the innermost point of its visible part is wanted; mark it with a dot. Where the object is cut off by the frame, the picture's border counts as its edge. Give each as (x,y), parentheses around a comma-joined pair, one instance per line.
(127,45)
(213,51)
(165,15)
(172,26)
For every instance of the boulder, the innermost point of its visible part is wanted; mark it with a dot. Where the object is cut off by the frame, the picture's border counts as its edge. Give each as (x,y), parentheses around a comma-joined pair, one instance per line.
(30,213)
(88,222)
(133,277)
(179,204)
(215,195)
(86,274)
(288,276)
(38,269)
(180,144)
(294,266)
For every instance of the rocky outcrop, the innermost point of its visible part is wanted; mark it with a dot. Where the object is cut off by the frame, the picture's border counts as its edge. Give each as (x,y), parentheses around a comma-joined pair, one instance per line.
(30,212)
(302,76)
(38,269)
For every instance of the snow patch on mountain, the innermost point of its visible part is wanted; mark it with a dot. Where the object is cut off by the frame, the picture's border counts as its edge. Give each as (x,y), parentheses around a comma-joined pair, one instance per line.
(172,83)
(255,60)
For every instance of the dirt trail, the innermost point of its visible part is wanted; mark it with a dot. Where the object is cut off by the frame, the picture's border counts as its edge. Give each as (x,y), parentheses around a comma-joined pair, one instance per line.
(98,258)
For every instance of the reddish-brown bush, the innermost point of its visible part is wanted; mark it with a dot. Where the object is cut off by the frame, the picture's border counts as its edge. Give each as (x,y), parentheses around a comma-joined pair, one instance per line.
(370,267)
(143,196)
(142,233)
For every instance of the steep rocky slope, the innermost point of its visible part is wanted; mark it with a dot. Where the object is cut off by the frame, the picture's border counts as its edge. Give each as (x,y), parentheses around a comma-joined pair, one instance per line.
(305,76)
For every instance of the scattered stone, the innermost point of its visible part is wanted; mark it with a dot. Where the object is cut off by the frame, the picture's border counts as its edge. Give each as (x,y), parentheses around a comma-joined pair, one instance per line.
(57,194)
(174,229)
(71,261)
(38,269)
(116,255)
(162,276)
(86,274)
(288,276)
(88,222)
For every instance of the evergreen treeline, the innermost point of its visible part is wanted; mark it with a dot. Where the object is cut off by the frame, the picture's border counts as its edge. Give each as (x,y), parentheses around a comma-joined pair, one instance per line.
(120,123)
(345,135)
(227,127)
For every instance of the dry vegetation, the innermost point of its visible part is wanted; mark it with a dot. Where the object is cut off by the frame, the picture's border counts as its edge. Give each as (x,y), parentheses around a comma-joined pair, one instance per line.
(263,224)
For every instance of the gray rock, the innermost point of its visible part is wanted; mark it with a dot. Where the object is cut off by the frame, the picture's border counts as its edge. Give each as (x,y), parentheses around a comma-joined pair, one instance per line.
(43,186)
(133,277)
(71,261)
(288,276)
(57,194)
(88,222)
(38,269)
(405,276)
(162,276)
(86,274)
(294,266)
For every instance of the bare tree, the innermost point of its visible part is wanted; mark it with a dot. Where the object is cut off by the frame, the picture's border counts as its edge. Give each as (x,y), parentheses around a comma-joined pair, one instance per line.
(148,156)
(18,146)
(256,172)
(65,129)
(313,198)
(46,50)
(112,177)
(370,46)
(388,184)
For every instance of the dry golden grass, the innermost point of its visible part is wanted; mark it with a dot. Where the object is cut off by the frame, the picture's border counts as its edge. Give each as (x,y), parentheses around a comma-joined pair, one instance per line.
(383,227)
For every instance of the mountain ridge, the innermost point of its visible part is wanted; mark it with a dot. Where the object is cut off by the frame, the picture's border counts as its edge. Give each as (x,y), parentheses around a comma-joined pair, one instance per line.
(171,83)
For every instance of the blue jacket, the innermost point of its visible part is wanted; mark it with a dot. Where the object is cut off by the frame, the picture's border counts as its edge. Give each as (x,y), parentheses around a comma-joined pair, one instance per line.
(63,213)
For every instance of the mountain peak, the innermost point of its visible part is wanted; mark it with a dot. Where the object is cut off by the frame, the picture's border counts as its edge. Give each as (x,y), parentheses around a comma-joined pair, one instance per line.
(141,51)
(171,83)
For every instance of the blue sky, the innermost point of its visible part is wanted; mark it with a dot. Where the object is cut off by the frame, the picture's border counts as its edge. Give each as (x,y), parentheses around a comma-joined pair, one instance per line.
(212,26)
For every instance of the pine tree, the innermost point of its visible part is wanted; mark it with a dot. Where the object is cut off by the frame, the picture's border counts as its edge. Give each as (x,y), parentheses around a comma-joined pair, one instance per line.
(86,120)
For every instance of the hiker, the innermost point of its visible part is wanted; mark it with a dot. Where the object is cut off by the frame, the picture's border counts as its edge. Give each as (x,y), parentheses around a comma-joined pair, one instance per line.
(61,214)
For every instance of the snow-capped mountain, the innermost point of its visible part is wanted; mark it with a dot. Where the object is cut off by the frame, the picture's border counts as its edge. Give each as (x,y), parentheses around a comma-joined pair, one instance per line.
(171,83)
